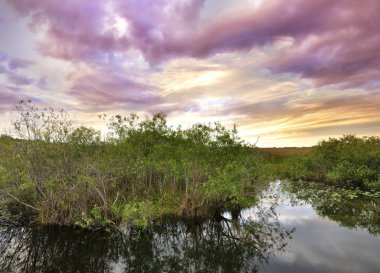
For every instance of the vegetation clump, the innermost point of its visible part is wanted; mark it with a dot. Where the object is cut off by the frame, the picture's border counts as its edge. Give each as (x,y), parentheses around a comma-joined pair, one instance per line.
(349,161)
(54,172)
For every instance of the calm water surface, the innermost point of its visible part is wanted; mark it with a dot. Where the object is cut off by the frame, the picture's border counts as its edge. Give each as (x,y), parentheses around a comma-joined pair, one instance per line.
(283,233)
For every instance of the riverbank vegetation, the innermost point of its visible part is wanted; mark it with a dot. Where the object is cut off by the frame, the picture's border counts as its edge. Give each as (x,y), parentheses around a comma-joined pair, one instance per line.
(348,161)
(54,172)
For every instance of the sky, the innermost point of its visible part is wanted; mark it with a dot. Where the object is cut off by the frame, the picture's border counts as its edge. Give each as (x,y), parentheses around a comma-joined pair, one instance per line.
(289,72)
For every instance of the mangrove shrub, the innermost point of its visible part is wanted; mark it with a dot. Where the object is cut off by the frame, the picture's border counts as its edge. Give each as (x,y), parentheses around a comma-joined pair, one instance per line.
(349,160)
(56,172)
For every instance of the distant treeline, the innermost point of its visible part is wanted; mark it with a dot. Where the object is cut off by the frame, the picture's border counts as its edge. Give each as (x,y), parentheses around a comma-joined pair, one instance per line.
(285,151)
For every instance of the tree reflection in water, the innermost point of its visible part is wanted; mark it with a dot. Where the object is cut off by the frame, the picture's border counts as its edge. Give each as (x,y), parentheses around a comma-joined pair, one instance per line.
(167,246)
(349,208)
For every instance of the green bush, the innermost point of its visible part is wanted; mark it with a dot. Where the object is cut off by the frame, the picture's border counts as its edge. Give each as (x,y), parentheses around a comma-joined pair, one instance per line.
(350,160)
(67,175)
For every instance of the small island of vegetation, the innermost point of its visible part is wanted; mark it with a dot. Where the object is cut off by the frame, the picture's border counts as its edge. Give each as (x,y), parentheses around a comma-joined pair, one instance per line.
(56,172)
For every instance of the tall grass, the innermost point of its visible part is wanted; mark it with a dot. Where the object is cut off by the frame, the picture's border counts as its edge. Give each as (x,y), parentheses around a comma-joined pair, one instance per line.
(54,172)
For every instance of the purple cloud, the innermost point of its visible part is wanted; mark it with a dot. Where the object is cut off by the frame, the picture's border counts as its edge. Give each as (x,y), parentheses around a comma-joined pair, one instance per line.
(9,67)
(8,99)
(99,88)
(75,29)
(19,80)
(3,57)
(17,63)
(333,42)
(42,83)
(161,28)
(345,51)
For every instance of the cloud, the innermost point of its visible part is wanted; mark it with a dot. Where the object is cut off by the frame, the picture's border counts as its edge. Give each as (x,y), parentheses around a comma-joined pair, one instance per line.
(354,106)
(348,57)
(75,30)
(284,70)
(3,57)
(307,117)
(2,70)
(278,108)
(332,42)
(42,83)
(171,109)
(111,88)
(329,42)
(8,98)
(19,80)
(9,67)
(17,63)
(160,28)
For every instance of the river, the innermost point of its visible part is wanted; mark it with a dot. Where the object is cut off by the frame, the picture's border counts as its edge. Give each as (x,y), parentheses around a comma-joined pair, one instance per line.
(283,233)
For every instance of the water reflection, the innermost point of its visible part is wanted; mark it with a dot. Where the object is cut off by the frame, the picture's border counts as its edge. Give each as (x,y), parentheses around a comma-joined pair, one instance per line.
(168,246)
(349,211)
(332,235)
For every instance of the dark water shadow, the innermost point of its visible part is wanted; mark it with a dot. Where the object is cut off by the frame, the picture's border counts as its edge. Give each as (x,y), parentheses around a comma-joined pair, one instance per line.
(168,245)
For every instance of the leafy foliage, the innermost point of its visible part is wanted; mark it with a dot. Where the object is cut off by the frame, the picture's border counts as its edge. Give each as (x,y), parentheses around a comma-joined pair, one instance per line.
(60,173)
(350,160)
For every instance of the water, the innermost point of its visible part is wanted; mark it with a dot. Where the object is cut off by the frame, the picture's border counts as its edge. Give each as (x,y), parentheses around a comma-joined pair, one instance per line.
(330,236)
(283,233)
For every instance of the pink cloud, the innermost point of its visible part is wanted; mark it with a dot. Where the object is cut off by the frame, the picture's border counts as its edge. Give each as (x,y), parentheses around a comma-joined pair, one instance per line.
(161,28)
(99,88)
(75,29)
(346,52)
(334,42)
